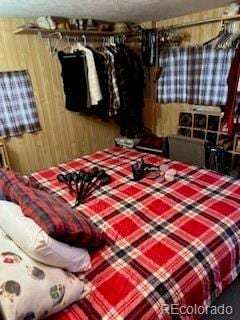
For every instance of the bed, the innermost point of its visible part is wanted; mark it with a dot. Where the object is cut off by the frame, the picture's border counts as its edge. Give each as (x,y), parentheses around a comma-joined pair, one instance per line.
(167,244)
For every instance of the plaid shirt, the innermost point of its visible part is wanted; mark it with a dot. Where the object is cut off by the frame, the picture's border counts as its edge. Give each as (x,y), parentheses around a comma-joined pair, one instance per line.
(195,75)
(114,97)
(167,242)
(18,112)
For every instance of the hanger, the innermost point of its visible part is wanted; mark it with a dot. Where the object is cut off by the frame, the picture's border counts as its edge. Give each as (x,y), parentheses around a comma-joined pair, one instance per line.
(213,42)
(227,37)
(103,42)
(234,29)
(68,44)
(84,40)
(79,45)
(236,34)
(53,41)
(113,41)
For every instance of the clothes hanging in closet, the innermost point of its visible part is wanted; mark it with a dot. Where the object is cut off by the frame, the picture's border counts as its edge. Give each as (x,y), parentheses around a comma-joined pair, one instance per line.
(114,98)
(102,109)
(149,42)
(74,80)
(121,82)
(92,76)
(130,78)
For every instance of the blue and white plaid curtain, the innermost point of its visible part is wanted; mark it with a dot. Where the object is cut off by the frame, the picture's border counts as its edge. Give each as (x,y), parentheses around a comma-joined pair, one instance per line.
(18,112)
(194,75)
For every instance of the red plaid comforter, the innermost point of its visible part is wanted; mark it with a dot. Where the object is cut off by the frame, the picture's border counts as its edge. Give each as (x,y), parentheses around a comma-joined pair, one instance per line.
(169,244)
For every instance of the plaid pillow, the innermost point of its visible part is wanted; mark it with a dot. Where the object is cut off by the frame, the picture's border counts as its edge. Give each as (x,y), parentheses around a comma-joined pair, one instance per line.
(56,218)
(6,175)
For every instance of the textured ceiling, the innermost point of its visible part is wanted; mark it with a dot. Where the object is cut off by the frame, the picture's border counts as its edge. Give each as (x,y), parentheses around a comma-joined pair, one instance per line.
(112,10)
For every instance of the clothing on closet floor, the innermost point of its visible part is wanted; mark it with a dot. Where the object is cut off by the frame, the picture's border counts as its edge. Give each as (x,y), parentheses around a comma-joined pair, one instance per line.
(18,111)
(74,80)
(233,98)
(194,75)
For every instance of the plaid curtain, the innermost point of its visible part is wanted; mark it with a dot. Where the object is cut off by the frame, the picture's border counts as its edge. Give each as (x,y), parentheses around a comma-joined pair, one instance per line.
(194,75)
(18,112)
(172,84)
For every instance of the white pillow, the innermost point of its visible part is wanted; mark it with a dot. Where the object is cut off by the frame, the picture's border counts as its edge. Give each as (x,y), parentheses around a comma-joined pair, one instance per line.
(37,244)
(30,289)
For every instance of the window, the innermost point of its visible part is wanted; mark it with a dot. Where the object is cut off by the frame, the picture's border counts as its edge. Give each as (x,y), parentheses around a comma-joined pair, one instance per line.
(18,112)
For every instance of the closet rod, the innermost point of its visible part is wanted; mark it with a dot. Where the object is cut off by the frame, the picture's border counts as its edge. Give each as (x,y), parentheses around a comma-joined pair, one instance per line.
(94,36)
(199,22)
(46,32)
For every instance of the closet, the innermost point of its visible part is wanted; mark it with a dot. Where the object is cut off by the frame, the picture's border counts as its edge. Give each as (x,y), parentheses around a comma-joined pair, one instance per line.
(69,135)
(65,135)
(203,124)
(168,115)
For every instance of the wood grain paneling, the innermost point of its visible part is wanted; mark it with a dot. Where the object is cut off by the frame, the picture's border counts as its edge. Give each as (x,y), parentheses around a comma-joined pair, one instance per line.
(167,114)
(64,135)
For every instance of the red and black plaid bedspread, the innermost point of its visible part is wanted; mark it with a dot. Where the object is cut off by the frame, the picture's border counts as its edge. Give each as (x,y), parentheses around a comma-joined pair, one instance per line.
(171,243)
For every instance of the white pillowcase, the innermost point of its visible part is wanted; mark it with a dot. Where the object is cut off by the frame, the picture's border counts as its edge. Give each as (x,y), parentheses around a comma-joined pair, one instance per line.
(33,290)
(37,244)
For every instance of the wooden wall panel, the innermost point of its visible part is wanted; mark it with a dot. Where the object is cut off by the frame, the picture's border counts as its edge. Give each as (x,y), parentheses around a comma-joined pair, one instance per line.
(167,114)
(65,135)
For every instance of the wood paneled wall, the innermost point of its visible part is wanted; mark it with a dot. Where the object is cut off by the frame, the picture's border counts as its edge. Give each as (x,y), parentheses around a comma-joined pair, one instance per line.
(167,114)
(64,135)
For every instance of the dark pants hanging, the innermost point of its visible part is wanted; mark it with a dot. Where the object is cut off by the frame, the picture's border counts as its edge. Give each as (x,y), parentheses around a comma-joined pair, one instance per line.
(74,80)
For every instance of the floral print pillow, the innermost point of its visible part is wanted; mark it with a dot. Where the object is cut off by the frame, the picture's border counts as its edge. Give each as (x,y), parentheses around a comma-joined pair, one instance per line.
(30,290)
